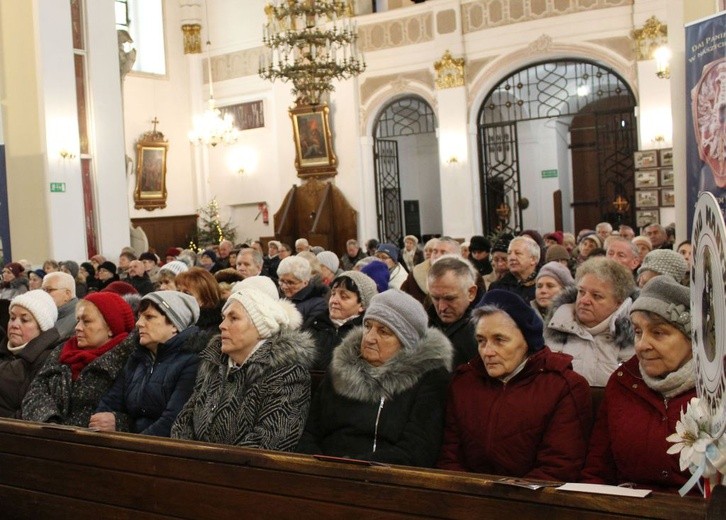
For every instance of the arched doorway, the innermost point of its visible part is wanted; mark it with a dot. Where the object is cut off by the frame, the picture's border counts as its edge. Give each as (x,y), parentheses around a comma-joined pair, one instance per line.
(549,123)
(405,150)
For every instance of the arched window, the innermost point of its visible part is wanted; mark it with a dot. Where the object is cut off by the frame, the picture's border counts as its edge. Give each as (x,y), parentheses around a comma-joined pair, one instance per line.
(144,21)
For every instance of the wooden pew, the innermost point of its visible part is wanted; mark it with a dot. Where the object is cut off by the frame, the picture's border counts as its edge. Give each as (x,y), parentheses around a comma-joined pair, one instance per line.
(58,472)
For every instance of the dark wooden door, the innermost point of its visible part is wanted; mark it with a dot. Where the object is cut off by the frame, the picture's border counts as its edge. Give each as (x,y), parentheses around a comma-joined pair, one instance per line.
(585,174)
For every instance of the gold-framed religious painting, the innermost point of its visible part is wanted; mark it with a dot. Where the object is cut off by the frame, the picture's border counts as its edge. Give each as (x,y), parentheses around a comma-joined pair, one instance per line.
(151,152)
(314,155)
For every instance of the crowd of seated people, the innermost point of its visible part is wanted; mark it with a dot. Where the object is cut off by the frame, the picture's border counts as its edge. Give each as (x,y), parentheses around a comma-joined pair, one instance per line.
(476,357)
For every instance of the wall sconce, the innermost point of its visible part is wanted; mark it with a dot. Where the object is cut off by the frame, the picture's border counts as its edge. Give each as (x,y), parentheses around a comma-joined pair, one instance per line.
(662,56)
(242,160)
(66,154)
(452,160)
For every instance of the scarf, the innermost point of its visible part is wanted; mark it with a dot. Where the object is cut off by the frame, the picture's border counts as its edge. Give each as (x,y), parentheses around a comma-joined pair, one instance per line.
(673,384)
(78,358)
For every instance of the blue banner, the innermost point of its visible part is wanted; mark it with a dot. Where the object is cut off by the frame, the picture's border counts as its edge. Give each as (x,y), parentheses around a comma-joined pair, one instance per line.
(706,111)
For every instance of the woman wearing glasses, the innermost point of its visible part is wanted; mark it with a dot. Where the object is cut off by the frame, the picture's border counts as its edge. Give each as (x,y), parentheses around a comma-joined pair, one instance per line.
(294,277)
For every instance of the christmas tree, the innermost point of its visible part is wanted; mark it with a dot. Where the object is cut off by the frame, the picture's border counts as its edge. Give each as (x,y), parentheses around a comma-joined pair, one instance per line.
(210,228)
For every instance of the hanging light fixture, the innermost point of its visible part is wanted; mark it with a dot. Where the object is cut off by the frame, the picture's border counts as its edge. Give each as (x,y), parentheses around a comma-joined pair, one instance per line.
(311,43)
(211,128)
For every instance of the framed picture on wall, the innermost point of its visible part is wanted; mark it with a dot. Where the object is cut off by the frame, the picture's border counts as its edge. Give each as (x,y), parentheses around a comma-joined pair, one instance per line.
(248,115)
(314,155)
(665,157)
(646,217)
(645,158)
(646,198)
(646,178)
(666,177)
(667,197)
(151,151)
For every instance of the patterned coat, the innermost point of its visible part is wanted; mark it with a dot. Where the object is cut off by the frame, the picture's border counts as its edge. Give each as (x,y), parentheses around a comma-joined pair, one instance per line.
(55,397)
(393,413)
(263,404)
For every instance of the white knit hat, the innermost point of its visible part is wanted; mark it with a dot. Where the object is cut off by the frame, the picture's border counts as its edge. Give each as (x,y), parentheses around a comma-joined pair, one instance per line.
(175,266)
(329,260)
(40,305)
(262,283)
(269,315)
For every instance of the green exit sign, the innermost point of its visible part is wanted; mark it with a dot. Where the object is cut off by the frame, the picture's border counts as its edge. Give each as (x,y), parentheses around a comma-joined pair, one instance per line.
(57,187)
(549,174)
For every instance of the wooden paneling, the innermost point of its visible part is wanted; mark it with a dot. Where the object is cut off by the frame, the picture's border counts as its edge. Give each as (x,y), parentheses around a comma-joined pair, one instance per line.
(57,472)
(166,232)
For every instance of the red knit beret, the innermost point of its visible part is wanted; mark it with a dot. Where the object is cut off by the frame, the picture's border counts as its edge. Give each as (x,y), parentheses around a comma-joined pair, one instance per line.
(15,268)
(115,310)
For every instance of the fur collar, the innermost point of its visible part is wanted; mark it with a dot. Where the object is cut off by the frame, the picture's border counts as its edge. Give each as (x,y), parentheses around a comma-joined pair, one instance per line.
(287,347)
(355,378)
(621,327)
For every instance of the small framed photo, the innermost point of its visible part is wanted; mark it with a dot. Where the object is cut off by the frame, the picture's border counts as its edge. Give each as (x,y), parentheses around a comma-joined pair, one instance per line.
(667,197)
(666,177)
(665,157)
(646,179)
(646,198)
(646,217)
(646,158)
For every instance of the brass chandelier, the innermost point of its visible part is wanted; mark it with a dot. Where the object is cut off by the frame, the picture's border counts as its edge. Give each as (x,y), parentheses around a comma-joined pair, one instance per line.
(311,43)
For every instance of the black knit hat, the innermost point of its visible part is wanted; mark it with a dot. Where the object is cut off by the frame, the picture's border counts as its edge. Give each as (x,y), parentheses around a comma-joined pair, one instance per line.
(522,313)
(479,243)
(108,266)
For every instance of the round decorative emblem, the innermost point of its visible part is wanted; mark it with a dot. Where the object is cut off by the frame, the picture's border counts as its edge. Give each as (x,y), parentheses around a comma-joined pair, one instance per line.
(708,308)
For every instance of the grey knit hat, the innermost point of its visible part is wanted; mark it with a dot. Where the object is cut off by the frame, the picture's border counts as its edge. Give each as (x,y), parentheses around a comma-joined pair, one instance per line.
(559,272)
(175,267)
(40,305)
(665,261)
(401,313)
(366,286)
(329,260)
(668,299)
(556,252)
(181,309)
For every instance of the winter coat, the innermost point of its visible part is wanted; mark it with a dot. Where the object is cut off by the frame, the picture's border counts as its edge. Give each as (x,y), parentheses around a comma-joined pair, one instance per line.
(397,276)
(416,284)
(534,426)
(327,336)
(393,413)
(311,300)
(13,288)
(511,283)
(142,284)
(593,357)
(54,396)
(66,322)
(263,404)
(628,442)
(461,333)
(347,263)
(209,319)
(152,390)
(18,369)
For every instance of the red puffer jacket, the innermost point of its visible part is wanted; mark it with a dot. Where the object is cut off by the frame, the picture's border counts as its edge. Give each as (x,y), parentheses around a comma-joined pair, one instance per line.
(534,426)
(629,439)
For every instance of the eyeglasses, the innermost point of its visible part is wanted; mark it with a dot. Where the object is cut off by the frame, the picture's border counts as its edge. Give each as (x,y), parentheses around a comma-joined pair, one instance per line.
(288,283)
(50,289)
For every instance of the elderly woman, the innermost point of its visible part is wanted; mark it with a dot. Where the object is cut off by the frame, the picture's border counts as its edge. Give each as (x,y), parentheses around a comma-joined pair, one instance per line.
(79,372)
(14,281)
(662,262)
(253,385)
(159,376)
(552,279)
(590,323)
(384,394)
(588,244)
(518,409)
(644,397)
(411,255)
(30,337)
(350,295)
(202,285)
(294,277)
(168,274)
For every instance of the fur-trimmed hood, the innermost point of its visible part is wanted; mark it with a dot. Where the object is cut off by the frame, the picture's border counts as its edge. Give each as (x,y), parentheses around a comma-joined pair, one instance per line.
(355,378)
(561,323)
(285,348)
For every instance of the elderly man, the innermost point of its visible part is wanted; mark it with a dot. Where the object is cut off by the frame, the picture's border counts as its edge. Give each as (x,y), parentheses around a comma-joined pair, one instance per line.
(658,236)
(522,259)
(223,251)
(249,262)
(624,252)
(139,278)
(626,232)
(302,244)
(454,293)
(592,323)
(416,283)
(389,254)
(352,254)
(62,288)
(604,230)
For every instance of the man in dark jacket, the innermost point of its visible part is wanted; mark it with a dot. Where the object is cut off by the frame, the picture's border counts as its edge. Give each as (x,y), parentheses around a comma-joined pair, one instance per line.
(454,293)
(522,260)
(139,278)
